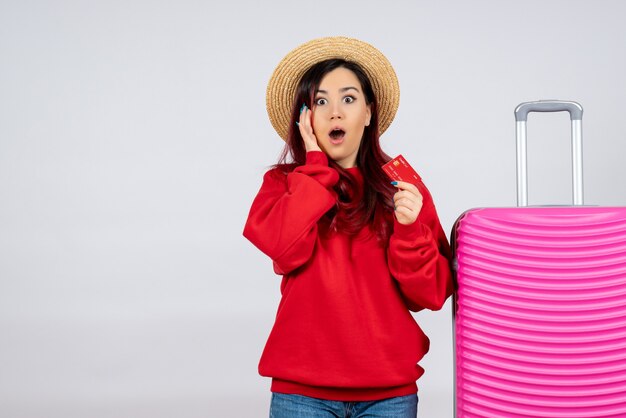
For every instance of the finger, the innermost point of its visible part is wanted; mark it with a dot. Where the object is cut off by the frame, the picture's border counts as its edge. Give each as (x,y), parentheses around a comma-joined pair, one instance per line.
(404,210)
(305,122)
(305,114)
(404,202)
(302,118)
(406,194)
(403,185)
(408,203)
(308,115)
(408,199)
(306,136)
(413,206)
(304,133)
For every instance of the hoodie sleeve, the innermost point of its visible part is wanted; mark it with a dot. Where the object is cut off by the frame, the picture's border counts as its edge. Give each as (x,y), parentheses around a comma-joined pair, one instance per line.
(283,218)
(419,258)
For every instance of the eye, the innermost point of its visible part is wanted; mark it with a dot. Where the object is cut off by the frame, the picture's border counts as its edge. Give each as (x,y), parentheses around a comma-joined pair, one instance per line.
(348,99)
(320,102)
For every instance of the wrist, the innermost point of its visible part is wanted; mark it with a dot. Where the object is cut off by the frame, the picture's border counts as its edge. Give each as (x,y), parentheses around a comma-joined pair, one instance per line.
(312,147)
(410,231)
(316,157)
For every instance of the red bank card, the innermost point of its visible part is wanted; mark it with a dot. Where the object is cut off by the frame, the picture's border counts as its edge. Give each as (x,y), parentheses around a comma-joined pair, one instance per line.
(399,169)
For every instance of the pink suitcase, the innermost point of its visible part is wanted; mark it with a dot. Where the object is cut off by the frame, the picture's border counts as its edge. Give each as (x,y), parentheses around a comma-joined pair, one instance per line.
(540,307)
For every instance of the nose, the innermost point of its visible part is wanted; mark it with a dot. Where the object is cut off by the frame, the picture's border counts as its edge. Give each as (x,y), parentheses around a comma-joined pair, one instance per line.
(336,112)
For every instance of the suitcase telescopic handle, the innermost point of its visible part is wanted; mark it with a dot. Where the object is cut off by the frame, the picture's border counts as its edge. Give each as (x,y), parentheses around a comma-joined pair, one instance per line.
(576,115)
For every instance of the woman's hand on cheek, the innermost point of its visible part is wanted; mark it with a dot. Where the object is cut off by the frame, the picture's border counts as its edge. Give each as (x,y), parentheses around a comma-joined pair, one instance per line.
(306,130)
(407,202)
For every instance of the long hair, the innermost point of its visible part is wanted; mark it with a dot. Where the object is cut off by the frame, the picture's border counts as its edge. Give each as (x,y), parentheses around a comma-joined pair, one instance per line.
(352,212)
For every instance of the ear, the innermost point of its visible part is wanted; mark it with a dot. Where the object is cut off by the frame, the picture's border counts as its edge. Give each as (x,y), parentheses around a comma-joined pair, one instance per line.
(368,114)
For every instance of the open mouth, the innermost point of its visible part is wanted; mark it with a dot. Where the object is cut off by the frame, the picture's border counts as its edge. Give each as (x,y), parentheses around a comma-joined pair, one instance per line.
(336,135)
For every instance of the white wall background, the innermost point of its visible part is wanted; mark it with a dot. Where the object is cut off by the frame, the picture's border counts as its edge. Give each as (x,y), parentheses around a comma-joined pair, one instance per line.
(133,138)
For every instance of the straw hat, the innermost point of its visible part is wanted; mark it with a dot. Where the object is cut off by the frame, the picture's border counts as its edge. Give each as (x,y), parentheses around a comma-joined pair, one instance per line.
(281,88)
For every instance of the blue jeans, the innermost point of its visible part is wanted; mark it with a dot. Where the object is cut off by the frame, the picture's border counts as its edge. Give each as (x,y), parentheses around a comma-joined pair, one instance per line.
(298,406)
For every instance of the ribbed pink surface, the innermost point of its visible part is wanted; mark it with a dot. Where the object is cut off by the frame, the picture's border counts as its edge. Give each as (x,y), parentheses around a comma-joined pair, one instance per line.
(540,326)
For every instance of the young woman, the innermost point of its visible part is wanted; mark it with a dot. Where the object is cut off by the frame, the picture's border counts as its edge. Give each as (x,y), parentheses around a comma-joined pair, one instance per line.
(356,252)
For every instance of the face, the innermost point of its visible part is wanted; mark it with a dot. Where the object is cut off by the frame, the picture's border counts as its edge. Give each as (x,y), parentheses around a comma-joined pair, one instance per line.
(340,115)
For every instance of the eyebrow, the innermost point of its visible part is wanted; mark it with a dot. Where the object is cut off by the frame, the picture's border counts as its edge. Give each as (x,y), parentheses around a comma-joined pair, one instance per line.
(341,90)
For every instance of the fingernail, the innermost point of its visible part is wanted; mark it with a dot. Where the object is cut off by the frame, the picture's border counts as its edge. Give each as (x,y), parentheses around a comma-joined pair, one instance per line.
(302,108)
(395,183)
(297,124)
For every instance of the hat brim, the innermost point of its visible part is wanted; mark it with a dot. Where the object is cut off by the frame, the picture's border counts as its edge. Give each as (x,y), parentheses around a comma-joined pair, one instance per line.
(284,81)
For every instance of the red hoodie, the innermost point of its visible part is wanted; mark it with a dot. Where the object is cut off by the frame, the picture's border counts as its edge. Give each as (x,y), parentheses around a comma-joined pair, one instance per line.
(343,329)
